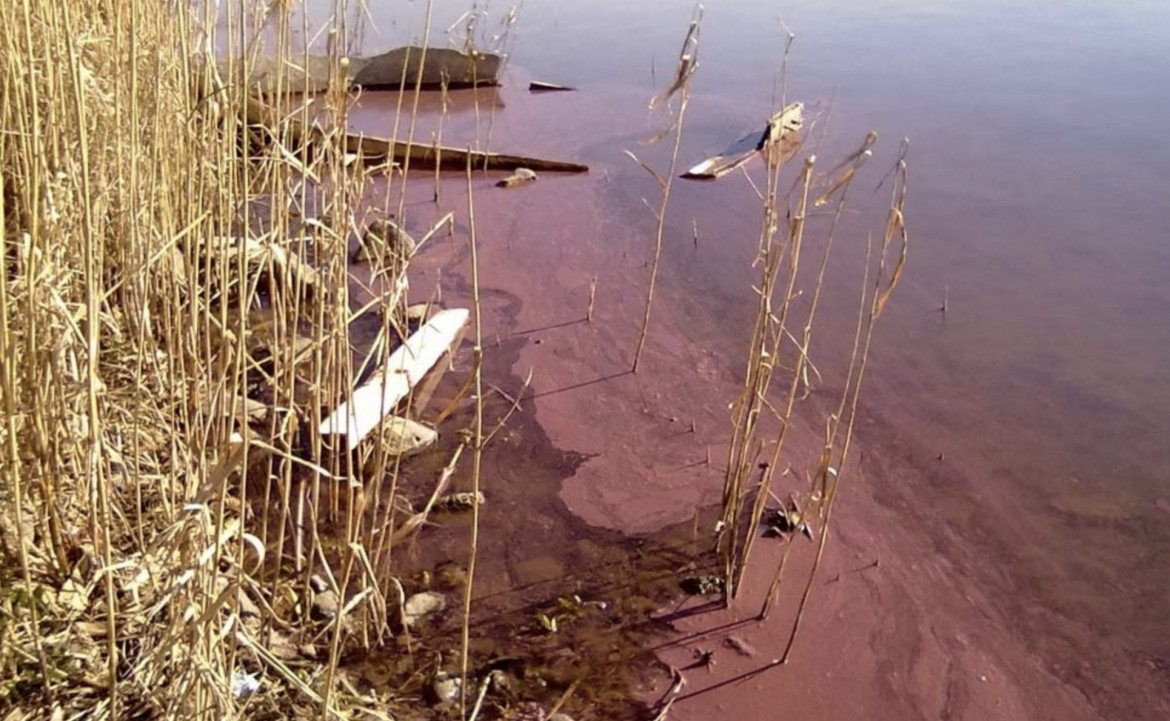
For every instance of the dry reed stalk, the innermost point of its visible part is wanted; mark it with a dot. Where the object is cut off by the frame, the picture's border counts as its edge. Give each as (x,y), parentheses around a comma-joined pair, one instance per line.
(799,375)
(775,257)
(688,60)
(883,289)
(477,448)
(144,330)
(795,244)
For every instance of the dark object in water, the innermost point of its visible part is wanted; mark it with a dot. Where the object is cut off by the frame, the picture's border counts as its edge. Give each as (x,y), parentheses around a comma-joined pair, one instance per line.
(536,86)
(788,519)
(705,585)
(420,155)
(398,68)
(778,141)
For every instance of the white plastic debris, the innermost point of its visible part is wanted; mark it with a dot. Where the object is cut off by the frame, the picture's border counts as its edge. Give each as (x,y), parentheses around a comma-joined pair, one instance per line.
(244,684)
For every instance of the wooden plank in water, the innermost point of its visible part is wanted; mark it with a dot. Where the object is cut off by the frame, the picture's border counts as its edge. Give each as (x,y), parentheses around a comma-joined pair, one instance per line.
(391,383)
(779,140)
(420,155)
(538,86)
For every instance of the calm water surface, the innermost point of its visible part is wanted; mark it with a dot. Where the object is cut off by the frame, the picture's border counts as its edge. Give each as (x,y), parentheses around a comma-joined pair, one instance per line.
(1039,209)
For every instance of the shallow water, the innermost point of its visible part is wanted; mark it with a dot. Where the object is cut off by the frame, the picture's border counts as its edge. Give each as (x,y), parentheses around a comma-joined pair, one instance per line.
(1021,440)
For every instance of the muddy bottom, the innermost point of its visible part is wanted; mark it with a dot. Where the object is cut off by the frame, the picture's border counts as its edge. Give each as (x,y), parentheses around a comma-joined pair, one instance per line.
(565,612)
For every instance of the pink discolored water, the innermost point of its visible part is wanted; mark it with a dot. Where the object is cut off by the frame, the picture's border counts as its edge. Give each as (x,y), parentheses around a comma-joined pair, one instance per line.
(1013,453)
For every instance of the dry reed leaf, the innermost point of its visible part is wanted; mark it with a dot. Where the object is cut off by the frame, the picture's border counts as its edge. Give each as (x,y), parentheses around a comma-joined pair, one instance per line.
(688,62)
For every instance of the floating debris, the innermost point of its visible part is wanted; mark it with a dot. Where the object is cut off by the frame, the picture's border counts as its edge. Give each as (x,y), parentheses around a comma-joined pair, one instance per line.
(538,86)
(779,140)
(522,176)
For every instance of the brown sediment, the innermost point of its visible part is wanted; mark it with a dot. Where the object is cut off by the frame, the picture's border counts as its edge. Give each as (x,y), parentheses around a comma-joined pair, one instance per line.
(918,610)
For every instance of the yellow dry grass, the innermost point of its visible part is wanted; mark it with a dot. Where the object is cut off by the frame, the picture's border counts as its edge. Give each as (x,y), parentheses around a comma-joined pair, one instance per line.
(146,263)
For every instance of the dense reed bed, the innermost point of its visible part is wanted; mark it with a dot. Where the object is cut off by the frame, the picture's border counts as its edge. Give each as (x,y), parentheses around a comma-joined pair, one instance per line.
(176,321)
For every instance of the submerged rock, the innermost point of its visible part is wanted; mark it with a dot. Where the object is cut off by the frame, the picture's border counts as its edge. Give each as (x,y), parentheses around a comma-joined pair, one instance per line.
(446,687)
(403,436)
(387,240)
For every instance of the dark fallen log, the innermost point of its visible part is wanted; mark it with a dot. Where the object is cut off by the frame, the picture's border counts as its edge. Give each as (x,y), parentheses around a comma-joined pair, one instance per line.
(420,155)
(778,141)
(398,68)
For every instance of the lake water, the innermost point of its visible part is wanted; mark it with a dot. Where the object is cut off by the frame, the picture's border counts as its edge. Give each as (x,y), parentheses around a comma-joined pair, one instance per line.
(1020,442)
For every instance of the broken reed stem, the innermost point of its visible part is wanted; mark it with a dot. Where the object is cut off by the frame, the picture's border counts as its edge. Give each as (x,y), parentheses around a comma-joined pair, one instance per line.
(477,454)
(688,60)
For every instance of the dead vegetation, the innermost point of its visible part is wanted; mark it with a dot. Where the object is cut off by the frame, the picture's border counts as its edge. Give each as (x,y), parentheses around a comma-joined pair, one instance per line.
(176,511)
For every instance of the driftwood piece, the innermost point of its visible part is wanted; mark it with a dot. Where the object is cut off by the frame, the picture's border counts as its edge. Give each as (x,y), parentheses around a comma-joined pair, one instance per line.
(407,365)
(778,140)
(420,155)
(394,69)
(538,86)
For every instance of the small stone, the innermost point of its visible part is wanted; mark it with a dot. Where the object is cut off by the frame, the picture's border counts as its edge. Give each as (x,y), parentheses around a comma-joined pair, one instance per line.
(446,687)
(422,604)
(460,501)
(326,604)
(404,436)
